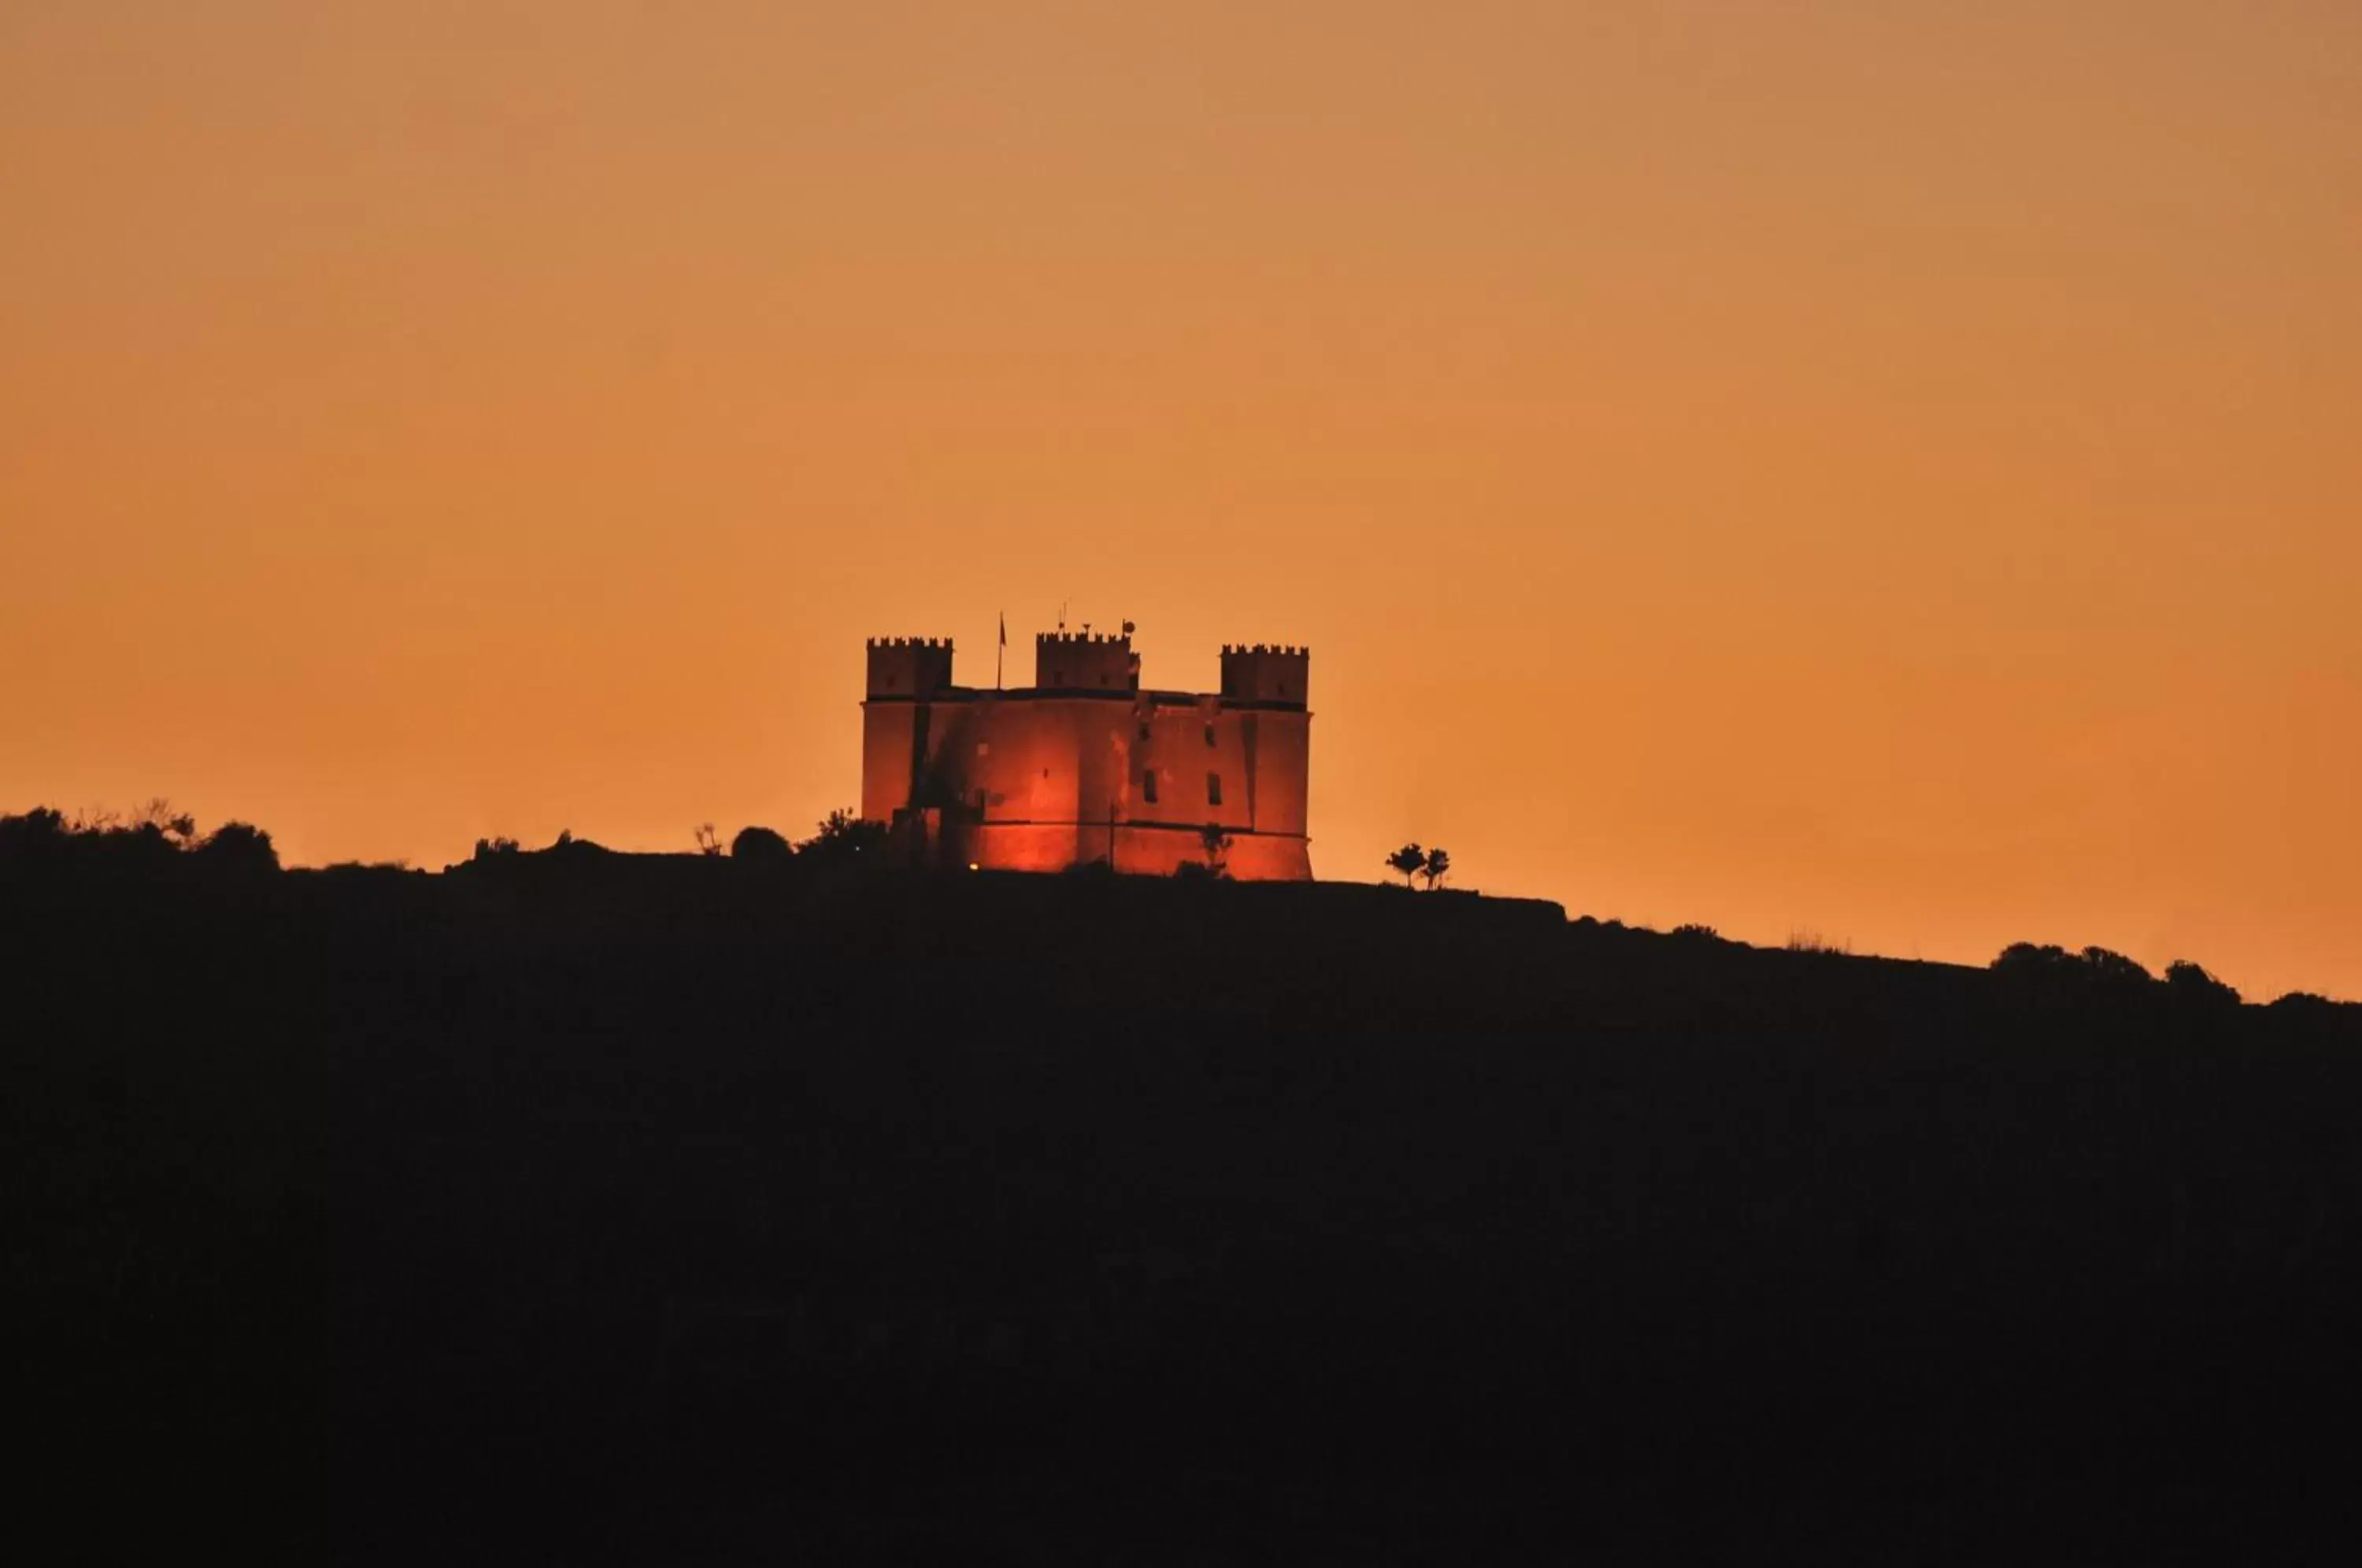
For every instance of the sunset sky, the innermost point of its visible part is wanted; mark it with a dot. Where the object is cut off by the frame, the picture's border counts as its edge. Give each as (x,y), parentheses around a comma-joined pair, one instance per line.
(1891,471)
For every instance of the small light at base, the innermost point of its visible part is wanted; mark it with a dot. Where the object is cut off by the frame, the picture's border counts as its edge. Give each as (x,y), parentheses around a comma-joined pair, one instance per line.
(973,867)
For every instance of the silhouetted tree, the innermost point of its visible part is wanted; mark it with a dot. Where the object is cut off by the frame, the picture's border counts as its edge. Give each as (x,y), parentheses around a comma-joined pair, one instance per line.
(2189,982)
(146,843)
(761,847)
(1436,866)
(2099,968)
(240,844)
(178,826)
(39,836)
(43,822)
(2033,958)
(1410,860)
(708,841)
(1215,843)
(2114,968)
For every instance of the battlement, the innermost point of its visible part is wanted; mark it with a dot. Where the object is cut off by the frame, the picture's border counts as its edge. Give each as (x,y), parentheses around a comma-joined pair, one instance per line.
(1266,672)
(909,667)
(1089,661)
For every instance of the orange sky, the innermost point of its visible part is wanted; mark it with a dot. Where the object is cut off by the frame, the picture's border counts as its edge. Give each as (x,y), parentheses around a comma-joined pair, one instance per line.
(1886,470)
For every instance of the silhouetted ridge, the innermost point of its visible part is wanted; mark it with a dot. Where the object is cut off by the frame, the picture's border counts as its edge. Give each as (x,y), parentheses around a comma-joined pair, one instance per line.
(770,1206)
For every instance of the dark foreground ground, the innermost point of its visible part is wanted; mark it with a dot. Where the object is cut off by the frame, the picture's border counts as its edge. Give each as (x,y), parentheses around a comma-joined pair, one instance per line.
(583,1210)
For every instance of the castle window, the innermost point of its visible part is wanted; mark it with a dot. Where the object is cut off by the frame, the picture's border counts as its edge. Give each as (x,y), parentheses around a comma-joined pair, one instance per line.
(1148,785)
(1213,788)
(984,748)
(1210,735)
(1144,729)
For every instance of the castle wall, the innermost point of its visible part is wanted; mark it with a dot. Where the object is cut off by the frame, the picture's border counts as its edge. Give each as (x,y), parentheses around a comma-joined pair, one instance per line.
(889,743)
(1281,744)
(1139,851)
(1026,758)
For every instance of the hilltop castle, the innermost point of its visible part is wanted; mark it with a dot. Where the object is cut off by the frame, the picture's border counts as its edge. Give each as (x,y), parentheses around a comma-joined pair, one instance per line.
(1085,765)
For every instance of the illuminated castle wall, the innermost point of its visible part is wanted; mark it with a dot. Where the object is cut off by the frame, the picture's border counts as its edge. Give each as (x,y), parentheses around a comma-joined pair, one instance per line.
(1086,766)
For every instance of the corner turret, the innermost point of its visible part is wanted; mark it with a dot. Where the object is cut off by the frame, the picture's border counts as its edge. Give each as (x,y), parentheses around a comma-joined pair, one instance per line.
(915,667)
(1268,673)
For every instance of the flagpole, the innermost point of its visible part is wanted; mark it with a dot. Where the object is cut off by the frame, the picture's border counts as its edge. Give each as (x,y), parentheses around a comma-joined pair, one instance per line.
(1001,651)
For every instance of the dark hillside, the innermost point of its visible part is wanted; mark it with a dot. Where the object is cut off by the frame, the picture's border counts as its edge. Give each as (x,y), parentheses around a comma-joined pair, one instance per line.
(594,1207)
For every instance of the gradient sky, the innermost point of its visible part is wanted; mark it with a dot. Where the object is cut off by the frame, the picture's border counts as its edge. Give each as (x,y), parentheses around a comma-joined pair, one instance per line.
(1891,471)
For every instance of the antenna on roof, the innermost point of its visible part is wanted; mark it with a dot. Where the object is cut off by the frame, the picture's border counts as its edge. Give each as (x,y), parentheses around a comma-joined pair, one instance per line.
(1062,615)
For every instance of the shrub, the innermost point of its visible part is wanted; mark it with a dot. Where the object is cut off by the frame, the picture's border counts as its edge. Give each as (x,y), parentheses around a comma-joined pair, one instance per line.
(761,847)
(844,836)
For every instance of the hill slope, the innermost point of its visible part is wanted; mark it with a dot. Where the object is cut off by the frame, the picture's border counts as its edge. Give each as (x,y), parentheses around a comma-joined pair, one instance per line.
(678,1210)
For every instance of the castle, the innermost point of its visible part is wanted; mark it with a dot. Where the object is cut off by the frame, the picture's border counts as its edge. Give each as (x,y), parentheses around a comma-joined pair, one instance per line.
(1084,766)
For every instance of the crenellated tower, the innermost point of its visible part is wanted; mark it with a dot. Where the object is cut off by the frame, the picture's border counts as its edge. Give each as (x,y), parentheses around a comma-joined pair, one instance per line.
(906,676)
(1266,672)
(1085,661)
(915,667)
